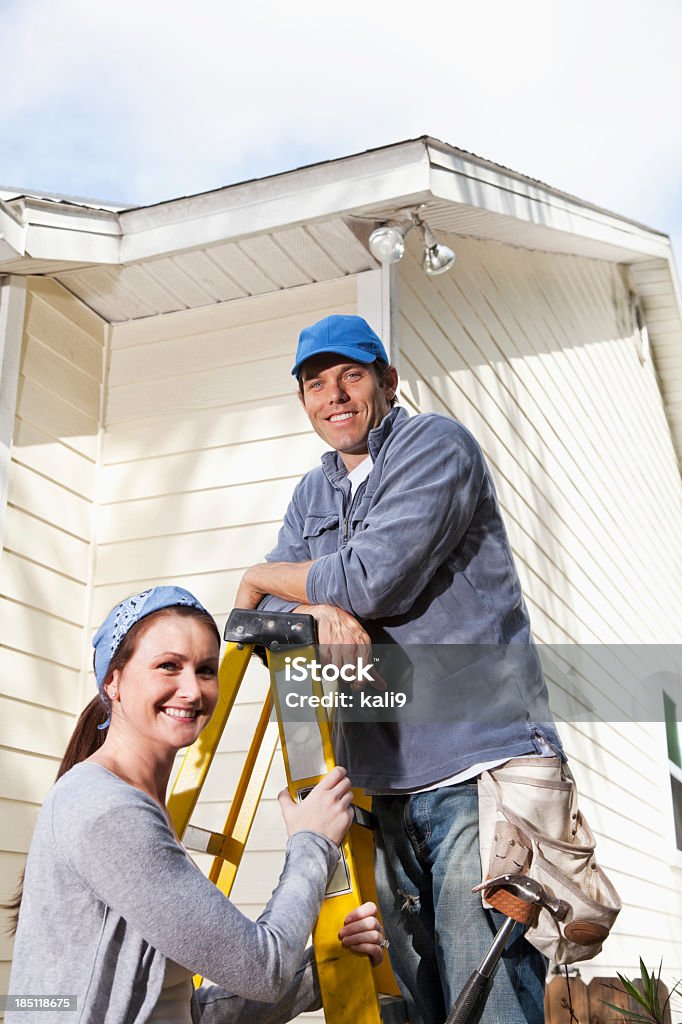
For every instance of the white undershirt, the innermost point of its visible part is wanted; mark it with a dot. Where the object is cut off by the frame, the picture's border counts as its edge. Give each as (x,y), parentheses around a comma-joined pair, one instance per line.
(360,473)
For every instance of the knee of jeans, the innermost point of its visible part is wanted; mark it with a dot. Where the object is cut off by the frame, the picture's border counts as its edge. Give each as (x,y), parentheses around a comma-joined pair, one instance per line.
(411,904)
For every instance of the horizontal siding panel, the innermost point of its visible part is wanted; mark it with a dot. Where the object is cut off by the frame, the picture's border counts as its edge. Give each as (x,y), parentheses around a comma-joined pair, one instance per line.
(222,778)
(200,390)
(17,821)
(648,286)
(619,955)
(184,553)
(36,450)
(53,373)
(265,501)
(39,681)
(239,423)
(268,832)
(63,336)
(255,885)
(24,777)
(647,893)
(34,729)
(216,590)
(63,303)
(33,493)
(217,349)
(216,467)
(662,313)
(41,588)
(319,299)
(46,544)
(35,632)
(45,410)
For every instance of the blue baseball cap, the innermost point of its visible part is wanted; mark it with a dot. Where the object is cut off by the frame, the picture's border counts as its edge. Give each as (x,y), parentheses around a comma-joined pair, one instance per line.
(349,336)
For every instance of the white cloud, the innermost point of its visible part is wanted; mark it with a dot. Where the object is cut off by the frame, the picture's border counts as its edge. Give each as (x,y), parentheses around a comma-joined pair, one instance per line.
(147,99)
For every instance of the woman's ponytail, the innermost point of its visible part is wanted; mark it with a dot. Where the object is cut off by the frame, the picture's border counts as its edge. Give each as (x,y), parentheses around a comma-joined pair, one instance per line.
(86,737)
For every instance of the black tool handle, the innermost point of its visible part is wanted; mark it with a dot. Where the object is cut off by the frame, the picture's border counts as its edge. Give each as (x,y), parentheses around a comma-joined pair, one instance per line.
(468,999)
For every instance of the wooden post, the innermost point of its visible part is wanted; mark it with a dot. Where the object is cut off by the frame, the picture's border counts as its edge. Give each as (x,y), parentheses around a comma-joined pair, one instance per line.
(557,1002)
(600,993)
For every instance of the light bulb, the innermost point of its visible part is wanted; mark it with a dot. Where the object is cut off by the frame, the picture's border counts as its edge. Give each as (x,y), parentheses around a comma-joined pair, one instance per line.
(437,259)
(387,244)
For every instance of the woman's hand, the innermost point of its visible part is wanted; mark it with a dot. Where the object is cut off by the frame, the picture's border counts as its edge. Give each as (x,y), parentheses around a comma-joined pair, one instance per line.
(326,809)
(362,932)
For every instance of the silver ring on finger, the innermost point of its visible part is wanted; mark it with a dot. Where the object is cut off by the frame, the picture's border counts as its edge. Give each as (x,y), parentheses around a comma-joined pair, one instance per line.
(384,943)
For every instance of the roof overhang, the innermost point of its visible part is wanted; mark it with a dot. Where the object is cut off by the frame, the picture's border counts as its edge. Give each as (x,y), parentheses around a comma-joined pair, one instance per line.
(465,194)
(312,224)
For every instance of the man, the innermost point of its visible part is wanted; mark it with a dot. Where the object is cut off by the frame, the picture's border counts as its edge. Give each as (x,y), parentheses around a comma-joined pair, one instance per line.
(397,539)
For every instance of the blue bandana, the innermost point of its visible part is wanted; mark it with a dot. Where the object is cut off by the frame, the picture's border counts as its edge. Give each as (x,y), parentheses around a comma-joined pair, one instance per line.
(120,619)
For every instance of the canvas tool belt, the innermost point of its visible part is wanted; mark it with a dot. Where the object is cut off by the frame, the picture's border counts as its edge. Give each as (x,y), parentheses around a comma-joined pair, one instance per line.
(530,824)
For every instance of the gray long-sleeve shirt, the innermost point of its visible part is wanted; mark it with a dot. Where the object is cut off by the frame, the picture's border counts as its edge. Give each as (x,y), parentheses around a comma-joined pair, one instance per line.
(110,895)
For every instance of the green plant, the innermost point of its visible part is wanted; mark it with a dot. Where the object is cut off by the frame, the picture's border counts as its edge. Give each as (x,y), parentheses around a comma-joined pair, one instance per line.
(647,996)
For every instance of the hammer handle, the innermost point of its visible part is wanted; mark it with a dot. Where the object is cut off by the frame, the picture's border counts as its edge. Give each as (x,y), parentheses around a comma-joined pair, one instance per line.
(468,999)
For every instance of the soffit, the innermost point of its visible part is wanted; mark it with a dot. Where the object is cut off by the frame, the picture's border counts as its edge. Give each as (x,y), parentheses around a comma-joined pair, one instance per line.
(236,269)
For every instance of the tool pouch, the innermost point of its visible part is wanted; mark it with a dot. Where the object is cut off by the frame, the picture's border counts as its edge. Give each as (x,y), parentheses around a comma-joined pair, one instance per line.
(530,823)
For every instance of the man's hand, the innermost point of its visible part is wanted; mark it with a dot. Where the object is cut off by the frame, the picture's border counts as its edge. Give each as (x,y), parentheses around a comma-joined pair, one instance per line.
(341,639)
(247,596)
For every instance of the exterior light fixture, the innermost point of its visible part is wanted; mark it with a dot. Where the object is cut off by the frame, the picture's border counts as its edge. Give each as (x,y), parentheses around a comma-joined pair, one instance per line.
(437,258)
(387,245)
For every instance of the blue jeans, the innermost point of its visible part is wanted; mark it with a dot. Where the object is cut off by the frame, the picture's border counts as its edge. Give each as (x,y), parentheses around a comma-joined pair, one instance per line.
(427,861)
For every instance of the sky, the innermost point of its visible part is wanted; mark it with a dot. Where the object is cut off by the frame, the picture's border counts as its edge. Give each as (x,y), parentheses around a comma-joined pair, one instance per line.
(136,101)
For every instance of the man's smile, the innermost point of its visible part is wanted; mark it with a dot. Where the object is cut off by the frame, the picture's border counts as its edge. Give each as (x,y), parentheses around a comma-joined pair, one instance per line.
(338,416)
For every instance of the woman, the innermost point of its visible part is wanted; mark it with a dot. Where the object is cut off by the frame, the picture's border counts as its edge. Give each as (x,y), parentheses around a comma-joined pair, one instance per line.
(114,911)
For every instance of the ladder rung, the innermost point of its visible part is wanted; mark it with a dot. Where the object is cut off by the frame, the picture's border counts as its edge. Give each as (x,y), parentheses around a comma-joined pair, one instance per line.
(393,1010)
(363,817)
(201,840)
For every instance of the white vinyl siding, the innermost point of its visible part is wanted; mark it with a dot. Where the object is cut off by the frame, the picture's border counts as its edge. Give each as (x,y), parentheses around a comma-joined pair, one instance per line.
(535,354)
(45,560)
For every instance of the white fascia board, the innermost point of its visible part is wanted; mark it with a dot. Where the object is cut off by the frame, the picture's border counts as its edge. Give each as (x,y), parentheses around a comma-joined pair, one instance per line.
(46,231)
(399,174)
(71,246)
(464,181)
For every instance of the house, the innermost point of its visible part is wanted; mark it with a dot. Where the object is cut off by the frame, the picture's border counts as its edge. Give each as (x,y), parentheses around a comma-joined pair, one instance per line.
(150,432)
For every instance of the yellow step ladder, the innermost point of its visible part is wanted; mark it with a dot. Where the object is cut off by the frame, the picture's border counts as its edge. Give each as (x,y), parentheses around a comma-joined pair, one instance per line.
(353,992)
